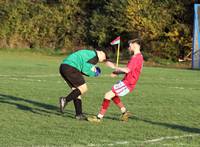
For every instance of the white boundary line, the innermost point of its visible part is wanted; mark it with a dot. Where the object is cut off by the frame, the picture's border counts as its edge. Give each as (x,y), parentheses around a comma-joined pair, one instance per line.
(170,137)
(23,77)
(41,76)
(151,141)
(31,76)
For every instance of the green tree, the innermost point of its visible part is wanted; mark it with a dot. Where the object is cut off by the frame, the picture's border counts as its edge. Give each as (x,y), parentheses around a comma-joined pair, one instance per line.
(164,26)
(159,23)
(41,24)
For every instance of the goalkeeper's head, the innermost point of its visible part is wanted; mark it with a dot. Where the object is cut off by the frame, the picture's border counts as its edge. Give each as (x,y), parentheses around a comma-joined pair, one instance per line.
(102,55)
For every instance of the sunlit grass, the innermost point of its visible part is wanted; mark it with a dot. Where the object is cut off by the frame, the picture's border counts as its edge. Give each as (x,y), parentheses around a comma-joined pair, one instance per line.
(165,104)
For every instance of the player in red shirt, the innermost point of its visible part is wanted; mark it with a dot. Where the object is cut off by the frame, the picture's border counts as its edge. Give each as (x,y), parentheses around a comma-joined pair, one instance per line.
(123,87)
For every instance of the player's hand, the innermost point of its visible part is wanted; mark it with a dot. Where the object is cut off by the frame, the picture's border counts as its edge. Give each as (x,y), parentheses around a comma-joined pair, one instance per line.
(113,75)
(97,71)
(93,69)
(118,69)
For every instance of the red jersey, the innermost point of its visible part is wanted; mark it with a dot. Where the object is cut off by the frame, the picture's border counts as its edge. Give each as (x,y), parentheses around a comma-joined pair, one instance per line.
(135,65)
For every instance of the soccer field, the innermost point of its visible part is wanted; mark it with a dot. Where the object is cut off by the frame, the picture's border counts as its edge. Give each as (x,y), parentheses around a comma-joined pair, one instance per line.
(165,107)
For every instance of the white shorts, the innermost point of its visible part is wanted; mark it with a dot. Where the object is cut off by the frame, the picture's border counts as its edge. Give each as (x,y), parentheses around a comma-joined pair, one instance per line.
(120,89)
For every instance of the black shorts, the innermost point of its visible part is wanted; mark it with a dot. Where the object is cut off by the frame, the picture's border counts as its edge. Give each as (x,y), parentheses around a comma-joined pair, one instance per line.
(71,75)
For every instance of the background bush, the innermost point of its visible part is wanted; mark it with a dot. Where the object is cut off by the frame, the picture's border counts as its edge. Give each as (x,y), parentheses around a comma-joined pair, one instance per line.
(164,26)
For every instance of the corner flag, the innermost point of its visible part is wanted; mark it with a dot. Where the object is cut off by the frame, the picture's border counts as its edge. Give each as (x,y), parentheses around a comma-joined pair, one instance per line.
(114,42)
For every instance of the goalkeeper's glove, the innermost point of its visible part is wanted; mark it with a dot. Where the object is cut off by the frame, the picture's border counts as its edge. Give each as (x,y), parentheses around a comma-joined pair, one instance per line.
(98,71)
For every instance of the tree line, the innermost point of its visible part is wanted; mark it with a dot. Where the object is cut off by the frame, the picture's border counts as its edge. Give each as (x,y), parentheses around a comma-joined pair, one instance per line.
(165,27)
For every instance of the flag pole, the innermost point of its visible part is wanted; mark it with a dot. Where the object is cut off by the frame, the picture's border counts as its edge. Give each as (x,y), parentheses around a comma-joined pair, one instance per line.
(118,48)
(117,41)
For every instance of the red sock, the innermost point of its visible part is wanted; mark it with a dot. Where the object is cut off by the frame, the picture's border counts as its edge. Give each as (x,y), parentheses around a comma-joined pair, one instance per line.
(104,107)
(118,102)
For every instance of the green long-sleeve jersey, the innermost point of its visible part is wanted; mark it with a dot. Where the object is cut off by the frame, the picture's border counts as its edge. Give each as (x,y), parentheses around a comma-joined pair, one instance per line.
(83,60)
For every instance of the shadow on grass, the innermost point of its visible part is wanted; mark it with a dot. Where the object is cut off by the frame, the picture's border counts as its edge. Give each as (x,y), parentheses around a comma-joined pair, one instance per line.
(40,108)
(168,125)
(37,108)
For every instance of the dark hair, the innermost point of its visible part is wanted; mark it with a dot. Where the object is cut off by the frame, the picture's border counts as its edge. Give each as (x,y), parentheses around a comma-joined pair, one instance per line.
(103,50)
(137,40)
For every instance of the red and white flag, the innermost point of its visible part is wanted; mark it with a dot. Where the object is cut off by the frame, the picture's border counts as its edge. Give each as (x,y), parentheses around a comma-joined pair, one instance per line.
(116,41)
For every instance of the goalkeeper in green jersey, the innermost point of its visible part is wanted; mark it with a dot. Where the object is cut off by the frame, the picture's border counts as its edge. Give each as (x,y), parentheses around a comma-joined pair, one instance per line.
(72,69)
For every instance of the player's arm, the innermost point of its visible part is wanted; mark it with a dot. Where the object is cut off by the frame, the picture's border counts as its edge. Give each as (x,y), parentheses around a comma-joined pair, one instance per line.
(118,70)
(131,66)
(110,64)
(89,69)
(121,70)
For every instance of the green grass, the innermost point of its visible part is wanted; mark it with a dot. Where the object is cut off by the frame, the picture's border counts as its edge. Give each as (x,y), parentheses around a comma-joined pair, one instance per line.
(165,103)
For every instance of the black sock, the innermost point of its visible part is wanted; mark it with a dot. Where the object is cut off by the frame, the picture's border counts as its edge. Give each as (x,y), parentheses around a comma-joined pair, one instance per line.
(73,95)
(78,106)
